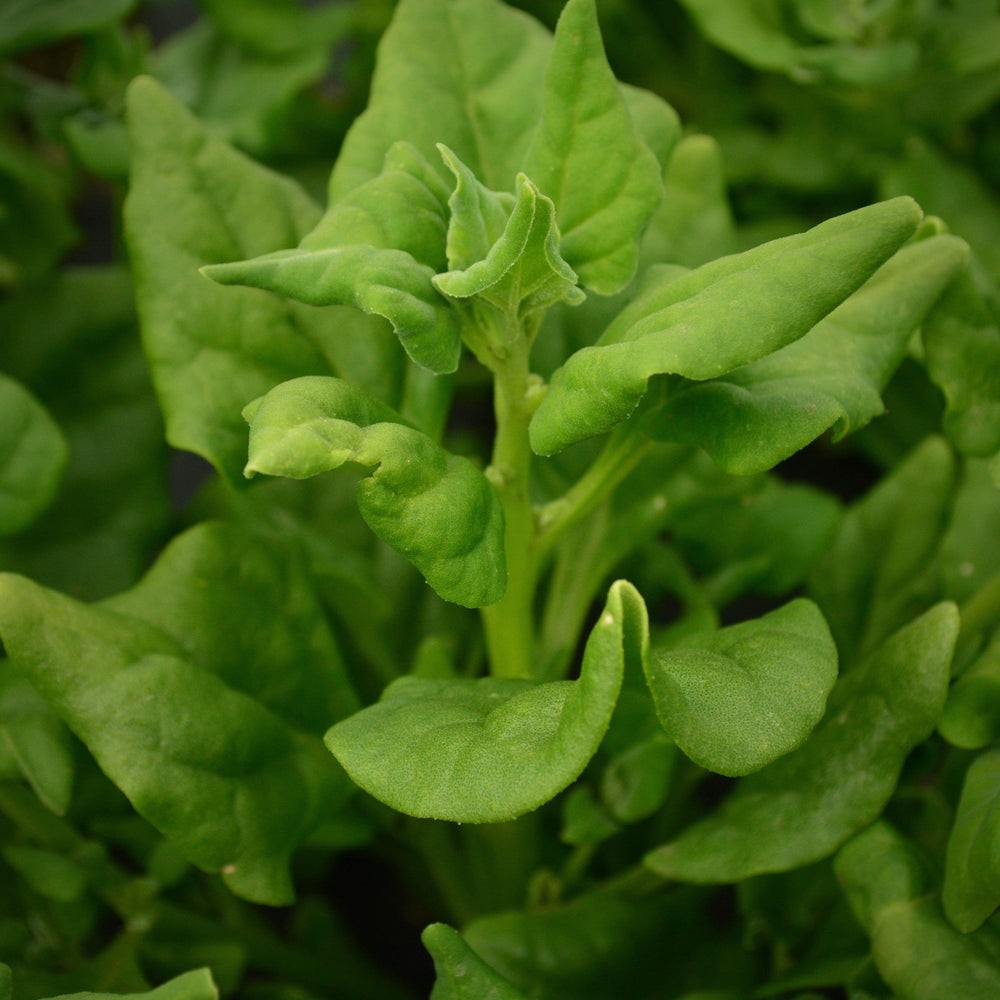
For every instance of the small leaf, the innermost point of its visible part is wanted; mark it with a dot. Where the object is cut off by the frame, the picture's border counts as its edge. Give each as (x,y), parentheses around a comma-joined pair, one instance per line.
(972,869)
(707,322)
(436,509)
(971,717)
(33,454)
(915,950)
(489,750)
(804,805)
(461,973)
(761,414)
(586,156)
(737,699)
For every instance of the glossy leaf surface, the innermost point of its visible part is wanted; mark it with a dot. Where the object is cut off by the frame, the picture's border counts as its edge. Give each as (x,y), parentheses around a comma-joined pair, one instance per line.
(436,509)
(484,751)
(737,699)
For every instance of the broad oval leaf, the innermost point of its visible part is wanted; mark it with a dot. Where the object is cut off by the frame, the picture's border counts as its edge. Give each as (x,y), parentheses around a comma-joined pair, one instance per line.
(33,454)
(461,973)
(972,864)
(588,158)
(436,509)
(489,750)
(724,315)
(737,699)
(806,804)
(759,415)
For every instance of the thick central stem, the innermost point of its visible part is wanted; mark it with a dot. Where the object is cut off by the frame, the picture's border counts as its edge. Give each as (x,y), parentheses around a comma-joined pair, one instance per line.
(509,627)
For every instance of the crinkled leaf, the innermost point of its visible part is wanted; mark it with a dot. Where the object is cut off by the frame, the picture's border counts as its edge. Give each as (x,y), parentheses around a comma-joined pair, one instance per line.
(587,157)
(436,509)
(804,805)
(488,750)
(880,571)
(504,251)
(33,456)
(234,786)
(461,973)
(193,200)
(763,413)
(28,23)
(737,699)
(972,866)
(707,322)
(467,73)
(962,350)
(196,985)
(971,717)
(37,739)
(915,949)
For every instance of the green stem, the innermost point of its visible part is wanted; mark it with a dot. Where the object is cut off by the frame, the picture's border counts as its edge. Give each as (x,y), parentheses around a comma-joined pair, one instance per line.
(508,624)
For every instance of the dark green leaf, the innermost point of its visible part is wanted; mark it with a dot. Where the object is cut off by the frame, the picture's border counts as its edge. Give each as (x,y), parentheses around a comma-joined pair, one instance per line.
(28,23)
(971,717)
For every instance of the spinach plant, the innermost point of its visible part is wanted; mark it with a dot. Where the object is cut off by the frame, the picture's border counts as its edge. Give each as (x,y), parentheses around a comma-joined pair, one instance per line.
(494,594)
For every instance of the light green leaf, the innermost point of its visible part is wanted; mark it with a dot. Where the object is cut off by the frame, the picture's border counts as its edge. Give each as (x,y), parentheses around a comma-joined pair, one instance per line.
(804,805)
(489,750)
(972,865)
(761,414)
(436,509)
(655,121)
(467,73)
(587,157)
(38,740)
(707,322)
(28,23)
(962,350)
(880,569)
(751,31)
(970,549)
(196,985)
(506,251)
(971,717)
(915,949)
(461,973)
(737,699)
(193,200)
(277,27)
(234,786)
(33,455)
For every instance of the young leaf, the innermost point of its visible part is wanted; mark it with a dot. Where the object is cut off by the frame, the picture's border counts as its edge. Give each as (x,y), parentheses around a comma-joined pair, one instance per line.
(505,252)
(33,455)
(804,805)
(436,509)
(972,873)
(467,73)
(719,317)
(461,973)
(375,250)
(234,786)
(586,156)
(737,699)
(971,717)
(761,414)
(193,200)
(485,751)
(915,949)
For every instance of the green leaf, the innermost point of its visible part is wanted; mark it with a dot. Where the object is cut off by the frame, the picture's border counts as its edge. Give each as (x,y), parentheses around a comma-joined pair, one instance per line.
(803,806)
(33,455)
(233,785)
(587,157)
(49,874)
(962,349)
(28,23)
(376,250)
(722,316)
(468,73)
(461,973)
(196,985)
(751,31)
(277,27)
(880,569)
(972,874)
(761,414)
(6,983)
(915,949)
(193,200)
(971,717)
(37,739)
(737,699)
(489,750)
(505,251)
(436,509)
